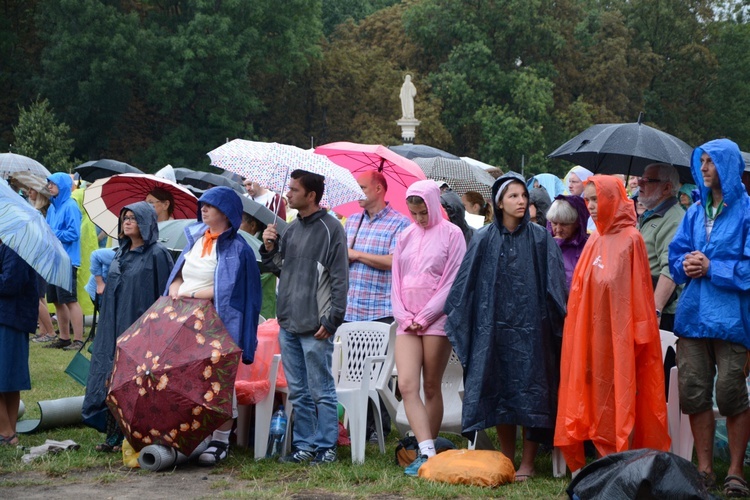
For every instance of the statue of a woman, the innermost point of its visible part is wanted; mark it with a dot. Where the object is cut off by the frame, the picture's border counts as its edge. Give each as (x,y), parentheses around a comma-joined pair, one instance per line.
(408,91)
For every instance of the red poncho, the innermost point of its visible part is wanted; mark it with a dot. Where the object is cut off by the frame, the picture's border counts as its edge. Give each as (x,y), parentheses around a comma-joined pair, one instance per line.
(612,378)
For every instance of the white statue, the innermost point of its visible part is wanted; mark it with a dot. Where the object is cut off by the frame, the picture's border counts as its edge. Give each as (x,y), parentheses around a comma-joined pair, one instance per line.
(408,91)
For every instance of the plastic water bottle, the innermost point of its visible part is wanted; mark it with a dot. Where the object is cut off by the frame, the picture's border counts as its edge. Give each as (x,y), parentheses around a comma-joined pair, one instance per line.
(276,433)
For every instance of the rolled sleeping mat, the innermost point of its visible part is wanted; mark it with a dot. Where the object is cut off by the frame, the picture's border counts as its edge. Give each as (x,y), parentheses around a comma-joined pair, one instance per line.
(157,457)
(54,413)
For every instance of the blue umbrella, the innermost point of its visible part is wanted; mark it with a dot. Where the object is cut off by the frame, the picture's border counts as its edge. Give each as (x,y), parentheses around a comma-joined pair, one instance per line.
(25,231)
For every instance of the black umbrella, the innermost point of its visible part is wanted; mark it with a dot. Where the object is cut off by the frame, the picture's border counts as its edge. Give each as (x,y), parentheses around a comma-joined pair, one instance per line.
(625,148)
(263,214)
(181,172)
(207,180)
(100,169)
(412,151)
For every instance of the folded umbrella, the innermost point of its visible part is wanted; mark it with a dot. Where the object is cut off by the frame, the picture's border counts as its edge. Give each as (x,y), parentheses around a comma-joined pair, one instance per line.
(25,231)
(269,164)
(173,377)
(400,172)
(99,169)
(11,163)
(104,199)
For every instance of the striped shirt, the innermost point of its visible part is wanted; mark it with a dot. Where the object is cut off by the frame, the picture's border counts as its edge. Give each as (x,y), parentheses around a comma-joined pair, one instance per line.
(369,296)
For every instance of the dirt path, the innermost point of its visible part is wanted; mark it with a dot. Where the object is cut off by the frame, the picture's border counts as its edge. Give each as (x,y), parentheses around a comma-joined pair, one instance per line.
(184,483)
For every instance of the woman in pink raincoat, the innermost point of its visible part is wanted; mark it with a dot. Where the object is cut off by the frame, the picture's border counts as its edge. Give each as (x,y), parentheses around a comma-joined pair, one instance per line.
(425,263)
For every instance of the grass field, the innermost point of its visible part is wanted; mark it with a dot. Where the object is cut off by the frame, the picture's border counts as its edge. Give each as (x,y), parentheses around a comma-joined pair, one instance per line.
(379,476)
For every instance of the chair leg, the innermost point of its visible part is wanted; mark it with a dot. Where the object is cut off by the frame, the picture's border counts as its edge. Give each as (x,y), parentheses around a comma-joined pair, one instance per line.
(378,424)
(243,425)
(558,463)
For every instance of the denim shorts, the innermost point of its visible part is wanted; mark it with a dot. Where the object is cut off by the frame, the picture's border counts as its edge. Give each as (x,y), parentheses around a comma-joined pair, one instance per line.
(698,361)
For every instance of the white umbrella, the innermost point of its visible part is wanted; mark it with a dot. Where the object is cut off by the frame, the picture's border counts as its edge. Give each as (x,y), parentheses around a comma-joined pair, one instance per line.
(269,164)
(11,163)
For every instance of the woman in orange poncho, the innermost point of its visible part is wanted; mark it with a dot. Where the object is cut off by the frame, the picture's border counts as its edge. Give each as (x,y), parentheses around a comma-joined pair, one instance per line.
(612,377)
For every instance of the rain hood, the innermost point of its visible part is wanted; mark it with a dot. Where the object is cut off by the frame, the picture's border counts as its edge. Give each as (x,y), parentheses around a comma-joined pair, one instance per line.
(425,263)
(64,217)
(717,305)
(505,318)
(612,376)
(145,216)
(573,246)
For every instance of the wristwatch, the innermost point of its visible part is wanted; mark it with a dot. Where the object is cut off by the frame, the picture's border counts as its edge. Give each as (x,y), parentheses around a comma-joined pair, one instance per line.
(192,296)
(658,313)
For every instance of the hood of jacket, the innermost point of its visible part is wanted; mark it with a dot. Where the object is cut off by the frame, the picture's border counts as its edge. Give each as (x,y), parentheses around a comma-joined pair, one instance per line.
(227,201)
(497,214)
(64,184)
(145,216)
(581,234)
(456,211)
(729,165)
(430,193)
(542,201)
(614,210)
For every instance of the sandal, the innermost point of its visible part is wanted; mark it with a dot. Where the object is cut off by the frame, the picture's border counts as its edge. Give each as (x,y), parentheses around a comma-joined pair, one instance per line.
(9,440)
(736,487)
(520,478)
(708,479)
(108,448)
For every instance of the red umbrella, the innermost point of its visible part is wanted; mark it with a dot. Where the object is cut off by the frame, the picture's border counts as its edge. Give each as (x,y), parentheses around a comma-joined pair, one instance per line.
(173,375)
(400,172)
(104,199)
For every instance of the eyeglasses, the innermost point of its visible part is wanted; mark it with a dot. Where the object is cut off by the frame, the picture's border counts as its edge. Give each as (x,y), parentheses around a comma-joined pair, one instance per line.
(646,180)
(129,219)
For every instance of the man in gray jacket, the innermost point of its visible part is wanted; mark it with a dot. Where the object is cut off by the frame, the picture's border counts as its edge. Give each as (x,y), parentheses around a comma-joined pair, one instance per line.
(313,268)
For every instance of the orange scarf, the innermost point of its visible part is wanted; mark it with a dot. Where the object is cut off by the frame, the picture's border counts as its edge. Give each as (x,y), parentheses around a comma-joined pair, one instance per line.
(208,242)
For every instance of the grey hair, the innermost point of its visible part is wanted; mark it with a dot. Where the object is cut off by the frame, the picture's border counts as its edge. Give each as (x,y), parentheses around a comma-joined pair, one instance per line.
(562,212)
(668,173)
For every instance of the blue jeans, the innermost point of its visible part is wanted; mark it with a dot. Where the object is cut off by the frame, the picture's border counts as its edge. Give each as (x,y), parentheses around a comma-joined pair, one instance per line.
(312,391)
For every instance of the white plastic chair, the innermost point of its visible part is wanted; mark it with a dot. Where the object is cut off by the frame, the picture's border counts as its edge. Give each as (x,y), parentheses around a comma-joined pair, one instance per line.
(263,412)
(679,423)
(452,389)
(360,366)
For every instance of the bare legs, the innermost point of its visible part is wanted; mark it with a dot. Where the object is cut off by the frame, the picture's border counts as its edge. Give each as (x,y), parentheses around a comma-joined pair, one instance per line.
(9,402)
(738,433)
(416,357)
(506,434)
(44,320)
(70,315)
(703,427)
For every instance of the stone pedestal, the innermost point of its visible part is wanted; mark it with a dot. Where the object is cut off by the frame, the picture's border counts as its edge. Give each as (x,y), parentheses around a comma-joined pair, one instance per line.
(408,129)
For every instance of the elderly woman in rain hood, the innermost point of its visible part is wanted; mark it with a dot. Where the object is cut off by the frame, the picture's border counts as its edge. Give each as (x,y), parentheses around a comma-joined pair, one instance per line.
(567,220)
(612,377)
(505,317)
(217,264)
(136,278)
(425,262)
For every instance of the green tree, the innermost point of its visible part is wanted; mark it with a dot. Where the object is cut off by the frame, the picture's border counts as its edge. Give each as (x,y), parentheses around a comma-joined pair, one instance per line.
(41,136)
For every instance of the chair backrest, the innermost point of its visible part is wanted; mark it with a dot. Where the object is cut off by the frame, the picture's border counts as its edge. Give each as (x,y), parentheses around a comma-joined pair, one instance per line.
(668,339)
(360,340)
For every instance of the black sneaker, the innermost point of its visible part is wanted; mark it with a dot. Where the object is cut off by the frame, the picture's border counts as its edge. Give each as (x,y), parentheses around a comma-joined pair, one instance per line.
(298,457)
(325,456)
(215,453)
(58,344)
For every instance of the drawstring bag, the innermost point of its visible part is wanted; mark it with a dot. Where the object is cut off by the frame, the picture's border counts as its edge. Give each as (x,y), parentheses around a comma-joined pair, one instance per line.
(79,366)
(471,467)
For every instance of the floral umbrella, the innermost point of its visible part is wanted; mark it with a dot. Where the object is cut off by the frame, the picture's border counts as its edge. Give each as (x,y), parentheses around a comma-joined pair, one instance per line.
(173,376)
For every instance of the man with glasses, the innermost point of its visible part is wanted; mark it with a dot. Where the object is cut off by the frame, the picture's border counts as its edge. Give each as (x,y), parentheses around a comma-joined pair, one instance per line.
(657,192)
(64,218)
